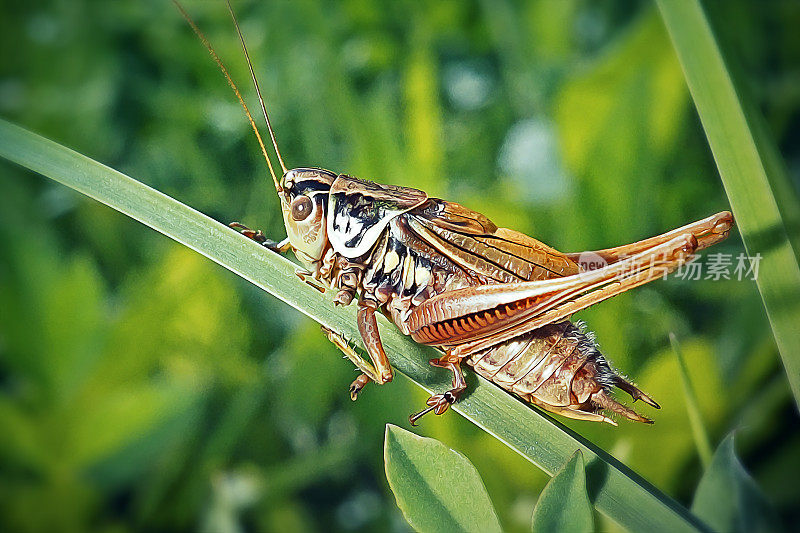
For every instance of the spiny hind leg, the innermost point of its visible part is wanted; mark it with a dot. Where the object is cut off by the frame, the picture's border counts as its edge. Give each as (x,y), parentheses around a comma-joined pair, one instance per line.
(439,403)
(707,231)
(580,291)
(260,238)
(368,372)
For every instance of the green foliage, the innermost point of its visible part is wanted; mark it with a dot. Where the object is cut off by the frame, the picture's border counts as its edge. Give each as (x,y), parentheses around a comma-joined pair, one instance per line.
(692,408)
(766,208)
(728,499)
(104,388)
(536,113)
(511,421)
(563,505)
(437,488)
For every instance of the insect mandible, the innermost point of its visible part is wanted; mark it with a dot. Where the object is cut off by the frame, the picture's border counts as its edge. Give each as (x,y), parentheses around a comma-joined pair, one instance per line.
(492,298)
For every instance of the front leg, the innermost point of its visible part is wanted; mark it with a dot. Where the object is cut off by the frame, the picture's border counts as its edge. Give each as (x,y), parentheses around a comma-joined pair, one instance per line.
(260,238)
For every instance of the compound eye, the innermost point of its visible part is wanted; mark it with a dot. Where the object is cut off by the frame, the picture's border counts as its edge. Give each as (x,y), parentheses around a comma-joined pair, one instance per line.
(302,206)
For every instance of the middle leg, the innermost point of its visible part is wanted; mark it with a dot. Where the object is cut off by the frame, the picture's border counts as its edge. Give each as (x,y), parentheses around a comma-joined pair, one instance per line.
(368,327)
(368,372)
(380,371)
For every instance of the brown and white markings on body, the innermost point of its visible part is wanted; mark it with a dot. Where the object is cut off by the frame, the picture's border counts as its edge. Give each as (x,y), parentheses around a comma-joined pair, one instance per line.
(493,298)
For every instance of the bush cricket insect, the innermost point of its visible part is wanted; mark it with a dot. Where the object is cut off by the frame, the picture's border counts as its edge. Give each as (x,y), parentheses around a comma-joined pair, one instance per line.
(492,298)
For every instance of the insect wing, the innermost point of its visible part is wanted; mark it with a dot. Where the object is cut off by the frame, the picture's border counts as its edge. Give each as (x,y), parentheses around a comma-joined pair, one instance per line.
(473,242)
(359,211)
(455,217)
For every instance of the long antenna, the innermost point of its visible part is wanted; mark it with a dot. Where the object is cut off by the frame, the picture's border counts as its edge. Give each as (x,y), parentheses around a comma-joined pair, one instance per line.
(255,83)
(235,90)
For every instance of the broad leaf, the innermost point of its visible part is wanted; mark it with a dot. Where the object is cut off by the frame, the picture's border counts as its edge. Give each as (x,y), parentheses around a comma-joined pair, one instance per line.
(728,499)
(564,504)
(437,488)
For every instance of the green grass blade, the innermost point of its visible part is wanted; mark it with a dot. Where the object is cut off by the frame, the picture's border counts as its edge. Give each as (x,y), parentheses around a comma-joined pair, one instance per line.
(760,195)
(614,489)
(692,407)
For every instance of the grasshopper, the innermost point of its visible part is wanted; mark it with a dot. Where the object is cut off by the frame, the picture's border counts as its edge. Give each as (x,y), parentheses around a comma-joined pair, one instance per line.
(492,298)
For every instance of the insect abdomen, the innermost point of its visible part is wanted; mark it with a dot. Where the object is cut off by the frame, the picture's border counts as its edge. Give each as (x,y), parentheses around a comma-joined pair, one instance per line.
(558,368)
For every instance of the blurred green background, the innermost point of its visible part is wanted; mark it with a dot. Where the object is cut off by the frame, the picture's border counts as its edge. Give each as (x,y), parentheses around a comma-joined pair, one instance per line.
(144,388)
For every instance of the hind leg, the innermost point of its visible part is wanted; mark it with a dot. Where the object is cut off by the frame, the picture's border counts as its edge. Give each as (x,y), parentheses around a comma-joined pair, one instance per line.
(439,403)
(708,231)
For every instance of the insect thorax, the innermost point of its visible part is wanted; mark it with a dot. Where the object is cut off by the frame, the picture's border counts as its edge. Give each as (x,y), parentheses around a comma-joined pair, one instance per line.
(398,273)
